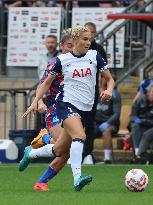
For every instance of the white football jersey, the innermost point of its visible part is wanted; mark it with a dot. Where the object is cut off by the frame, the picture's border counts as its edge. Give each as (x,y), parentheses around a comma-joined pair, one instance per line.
(79,72)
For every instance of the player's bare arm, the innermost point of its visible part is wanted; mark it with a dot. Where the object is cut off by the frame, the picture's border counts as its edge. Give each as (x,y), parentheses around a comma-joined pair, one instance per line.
(42,89)
(107,94)
(41,105)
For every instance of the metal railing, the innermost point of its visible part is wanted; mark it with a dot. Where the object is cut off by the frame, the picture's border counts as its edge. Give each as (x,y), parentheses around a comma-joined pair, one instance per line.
(148,71)
(13,103)
(132,54)
(126,10)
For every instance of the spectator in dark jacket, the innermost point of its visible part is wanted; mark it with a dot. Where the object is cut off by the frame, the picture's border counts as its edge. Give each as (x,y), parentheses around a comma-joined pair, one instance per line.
(142,122)
(142,89)
(88,147)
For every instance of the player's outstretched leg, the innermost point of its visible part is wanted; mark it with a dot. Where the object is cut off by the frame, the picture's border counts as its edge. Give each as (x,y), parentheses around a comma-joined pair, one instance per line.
(82,181)
(25,160)
(29,154)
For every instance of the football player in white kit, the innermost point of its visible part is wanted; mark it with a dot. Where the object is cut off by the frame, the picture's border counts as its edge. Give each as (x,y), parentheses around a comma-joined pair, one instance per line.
(76,98)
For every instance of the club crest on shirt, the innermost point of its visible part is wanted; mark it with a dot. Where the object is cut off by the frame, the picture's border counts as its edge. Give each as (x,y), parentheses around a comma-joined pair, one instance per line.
(68,65)
(90,61)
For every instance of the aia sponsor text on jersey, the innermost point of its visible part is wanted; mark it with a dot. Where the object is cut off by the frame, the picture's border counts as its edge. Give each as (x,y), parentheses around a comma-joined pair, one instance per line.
(82,72)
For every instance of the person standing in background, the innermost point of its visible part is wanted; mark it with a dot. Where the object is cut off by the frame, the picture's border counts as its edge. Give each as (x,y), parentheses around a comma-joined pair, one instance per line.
(45,60)
(50,56)
(88,146)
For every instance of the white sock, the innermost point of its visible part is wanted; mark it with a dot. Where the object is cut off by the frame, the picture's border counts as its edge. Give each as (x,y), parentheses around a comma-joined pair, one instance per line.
(45,151)
(107,154)
(136,151)
(76,159)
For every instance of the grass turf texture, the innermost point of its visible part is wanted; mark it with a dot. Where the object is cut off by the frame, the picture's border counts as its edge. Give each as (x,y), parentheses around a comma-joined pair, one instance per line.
(107,187)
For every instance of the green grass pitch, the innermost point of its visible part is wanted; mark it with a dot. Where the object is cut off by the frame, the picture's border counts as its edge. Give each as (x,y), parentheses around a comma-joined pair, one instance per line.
(107,187)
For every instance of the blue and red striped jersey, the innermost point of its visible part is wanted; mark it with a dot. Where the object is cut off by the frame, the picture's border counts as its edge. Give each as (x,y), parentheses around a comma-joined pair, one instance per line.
(54,88)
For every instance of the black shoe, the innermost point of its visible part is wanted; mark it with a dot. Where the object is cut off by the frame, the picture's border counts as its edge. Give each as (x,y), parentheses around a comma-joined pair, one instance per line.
(139,160)
(136,161)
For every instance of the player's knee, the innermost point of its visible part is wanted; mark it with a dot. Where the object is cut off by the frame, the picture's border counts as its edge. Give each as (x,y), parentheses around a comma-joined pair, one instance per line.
(58,151)
(108,131)
(81,135)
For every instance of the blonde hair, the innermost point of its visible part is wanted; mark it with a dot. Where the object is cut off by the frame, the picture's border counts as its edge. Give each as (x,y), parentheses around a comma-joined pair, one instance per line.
(66,35)
(76,31)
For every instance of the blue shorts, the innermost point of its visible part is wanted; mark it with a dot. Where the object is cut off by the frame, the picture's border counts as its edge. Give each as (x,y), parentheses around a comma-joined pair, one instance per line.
(51,117)
(66,110)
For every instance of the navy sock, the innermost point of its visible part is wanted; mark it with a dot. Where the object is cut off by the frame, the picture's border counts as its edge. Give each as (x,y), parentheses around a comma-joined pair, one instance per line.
(48,175)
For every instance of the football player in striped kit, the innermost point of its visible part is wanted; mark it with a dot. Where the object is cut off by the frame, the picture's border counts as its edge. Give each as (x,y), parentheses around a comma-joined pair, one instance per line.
(52,122)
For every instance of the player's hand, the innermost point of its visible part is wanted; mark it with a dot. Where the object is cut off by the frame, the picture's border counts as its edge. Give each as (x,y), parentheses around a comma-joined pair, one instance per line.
(106,95)
(101,90)
(31,109)
(42,108)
